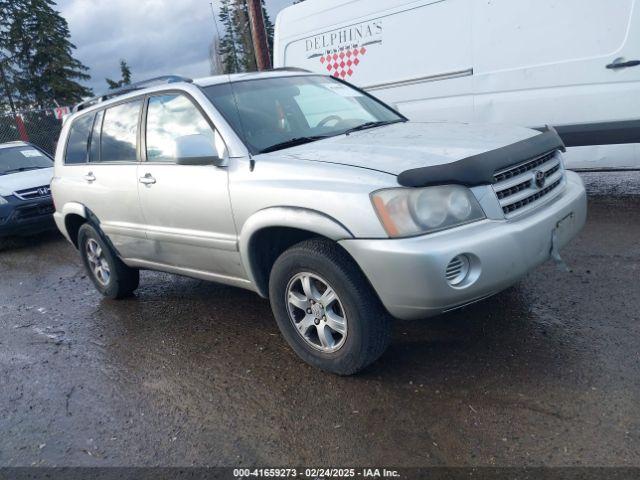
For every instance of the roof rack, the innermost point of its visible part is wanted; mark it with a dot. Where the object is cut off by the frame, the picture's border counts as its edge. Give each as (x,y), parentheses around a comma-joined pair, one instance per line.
(151,82)
(290,69)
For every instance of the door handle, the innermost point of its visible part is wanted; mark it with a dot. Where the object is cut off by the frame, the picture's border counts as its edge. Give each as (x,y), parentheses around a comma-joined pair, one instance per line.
(147,179)
(89,177)
(619,63)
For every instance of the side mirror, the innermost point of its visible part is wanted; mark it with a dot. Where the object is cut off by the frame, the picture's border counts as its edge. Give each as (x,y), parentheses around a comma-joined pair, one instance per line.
(196,150)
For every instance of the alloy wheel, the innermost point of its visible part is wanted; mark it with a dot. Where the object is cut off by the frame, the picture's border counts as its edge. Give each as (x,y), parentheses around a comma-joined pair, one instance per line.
(316,312)
(97,262)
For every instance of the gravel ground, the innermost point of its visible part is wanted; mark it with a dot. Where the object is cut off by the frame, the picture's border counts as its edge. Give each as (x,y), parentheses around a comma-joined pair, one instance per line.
(615,184)
(193,373)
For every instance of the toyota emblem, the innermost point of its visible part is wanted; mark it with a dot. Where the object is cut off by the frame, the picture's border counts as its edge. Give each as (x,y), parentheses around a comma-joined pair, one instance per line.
(540,178)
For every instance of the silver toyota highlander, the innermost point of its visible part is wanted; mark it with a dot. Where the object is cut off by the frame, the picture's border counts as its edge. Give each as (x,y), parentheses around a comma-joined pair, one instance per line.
(311,193)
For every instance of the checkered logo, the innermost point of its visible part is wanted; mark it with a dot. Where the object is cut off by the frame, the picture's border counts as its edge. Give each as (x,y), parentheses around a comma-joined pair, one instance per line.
(342,64)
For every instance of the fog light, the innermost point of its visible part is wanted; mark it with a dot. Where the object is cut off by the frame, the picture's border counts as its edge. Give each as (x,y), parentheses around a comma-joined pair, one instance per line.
(458,270)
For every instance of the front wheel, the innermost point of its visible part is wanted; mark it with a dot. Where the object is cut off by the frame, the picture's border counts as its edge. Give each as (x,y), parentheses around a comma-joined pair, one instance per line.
(326,309)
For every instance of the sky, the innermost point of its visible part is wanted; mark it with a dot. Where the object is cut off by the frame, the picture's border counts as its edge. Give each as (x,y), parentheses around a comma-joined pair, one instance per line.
(155,37)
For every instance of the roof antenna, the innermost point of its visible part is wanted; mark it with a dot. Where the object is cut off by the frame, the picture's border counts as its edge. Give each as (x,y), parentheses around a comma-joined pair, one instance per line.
(215,22)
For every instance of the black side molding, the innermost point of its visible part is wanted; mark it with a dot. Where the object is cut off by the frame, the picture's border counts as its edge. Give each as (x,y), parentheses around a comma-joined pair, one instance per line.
(605,133)
(479,169)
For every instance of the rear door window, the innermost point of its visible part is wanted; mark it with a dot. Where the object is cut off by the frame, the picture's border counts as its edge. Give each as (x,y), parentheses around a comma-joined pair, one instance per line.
(118,142)
(78,143)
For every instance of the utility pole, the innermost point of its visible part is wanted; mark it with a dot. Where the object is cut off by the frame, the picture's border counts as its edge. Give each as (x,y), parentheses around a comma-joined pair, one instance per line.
(259,35)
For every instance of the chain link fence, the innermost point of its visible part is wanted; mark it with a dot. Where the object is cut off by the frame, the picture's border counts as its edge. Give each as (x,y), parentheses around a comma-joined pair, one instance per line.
(40,127)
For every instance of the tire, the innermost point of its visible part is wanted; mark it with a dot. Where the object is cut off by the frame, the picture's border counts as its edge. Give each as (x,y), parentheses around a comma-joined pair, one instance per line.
(121,281)
(368,325)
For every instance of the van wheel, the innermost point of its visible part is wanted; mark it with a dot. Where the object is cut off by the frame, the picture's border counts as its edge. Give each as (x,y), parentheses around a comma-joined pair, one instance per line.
(326,309)
(111,277)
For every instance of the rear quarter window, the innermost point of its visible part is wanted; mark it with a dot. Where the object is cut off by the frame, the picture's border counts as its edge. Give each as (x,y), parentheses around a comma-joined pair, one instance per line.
(78,143)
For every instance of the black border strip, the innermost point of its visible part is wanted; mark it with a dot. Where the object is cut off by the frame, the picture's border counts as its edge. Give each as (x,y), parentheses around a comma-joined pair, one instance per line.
(343,473)
(479,169)
(605,133)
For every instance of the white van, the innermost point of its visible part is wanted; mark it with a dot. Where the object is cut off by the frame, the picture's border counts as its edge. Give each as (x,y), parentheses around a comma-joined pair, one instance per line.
(572,64)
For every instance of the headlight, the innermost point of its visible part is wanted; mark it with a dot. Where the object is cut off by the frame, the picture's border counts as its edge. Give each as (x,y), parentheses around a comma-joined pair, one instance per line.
(413,211)
(3,201)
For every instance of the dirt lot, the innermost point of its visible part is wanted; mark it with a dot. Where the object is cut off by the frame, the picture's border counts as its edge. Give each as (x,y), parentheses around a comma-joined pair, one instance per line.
(192,373)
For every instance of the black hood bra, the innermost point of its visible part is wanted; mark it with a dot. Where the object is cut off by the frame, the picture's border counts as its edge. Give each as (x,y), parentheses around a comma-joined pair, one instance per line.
(480,169)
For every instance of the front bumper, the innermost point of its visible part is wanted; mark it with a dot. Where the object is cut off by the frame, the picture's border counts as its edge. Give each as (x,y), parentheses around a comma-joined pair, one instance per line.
(26,217)
(409,274)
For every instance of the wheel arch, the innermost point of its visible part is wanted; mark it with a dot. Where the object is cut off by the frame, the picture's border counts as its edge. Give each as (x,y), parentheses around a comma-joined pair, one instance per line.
(267,233)
(74,215)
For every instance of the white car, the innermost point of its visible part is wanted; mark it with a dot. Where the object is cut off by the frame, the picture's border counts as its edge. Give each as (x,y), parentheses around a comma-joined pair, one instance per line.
(26,207)
(314,194)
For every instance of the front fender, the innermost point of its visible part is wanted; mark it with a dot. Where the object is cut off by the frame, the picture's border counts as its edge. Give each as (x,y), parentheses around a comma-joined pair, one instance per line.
(291,217)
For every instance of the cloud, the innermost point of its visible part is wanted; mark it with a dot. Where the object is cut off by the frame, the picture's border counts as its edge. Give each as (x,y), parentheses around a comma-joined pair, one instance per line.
(155,37)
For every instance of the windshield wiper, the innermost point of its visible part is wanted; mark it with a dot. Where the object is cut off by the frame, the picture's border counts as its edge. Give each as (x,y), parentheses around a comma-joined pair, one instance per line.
(368,125)
(22,169)
(302,140)
(293,143)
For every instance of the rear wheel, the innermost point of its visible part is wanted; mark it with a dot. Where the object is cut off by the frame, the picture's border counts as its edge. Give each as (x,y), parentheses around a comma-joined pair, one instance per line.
(109,274)
(326,309)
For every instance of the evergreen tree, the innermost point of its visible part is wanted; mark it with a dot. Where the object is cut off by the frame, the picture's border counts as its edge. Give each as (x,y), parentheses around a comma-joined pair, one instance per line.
(44,71)
(215,60)
(227,47)
(125,77)
(8,9)
(236,44)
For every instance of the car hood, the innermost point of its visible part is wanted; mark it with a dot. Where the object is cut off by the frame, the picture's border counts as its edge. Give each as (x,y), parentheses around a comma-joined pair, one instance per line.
(21,180)
(403,146)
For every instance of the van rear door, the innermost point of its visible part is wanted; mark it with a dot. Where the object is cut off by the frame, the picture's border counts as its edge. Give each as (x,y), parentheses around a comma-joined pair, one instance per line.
(568,63)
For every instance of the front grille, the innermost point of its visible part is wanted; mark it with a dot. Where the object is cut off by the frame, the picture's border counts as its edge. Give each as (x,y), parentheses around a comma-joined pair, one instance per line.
(32,211)
(32,193)
(520,187)
(522,168)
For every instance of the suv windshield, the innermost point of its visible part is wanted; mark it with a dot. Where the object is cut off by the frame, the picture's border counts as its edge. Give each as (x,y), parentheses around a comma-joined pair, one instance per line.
(274,113)
(22,158)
